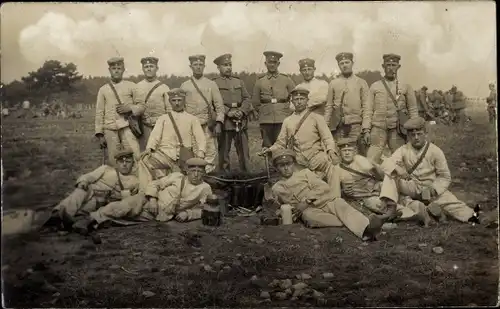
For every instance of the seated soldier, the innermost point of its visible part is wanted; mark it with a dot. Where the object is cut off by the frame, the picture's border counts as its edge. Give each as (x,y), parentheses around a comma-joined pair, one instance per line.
(96,189)
(361,181)
(308,135)
(164,149)
(420,171)
(314,202)
(176,196)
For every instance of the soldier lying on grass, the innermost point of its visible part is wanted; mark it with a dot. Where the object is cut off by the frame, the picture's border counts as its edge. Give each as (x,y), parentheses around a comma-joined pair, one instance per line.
(361,181)
(95,189)
(420,171)
(314,202)
(175,196)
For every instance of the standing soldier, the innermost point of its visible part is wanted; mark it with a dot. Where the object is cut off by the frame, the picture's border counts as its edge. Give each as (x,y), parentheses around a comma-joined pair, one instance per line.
(422,104)
(346,105)
(151,97)
(492,103)
(114,103)
(205,102)
(237,107)
(386,99)
(271,99)
(457,105)
(318,89)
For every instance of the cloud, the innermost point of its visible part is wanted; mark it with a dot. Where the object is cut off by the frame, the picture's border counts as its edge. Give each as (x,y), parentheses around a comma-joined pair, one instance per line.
(425,34)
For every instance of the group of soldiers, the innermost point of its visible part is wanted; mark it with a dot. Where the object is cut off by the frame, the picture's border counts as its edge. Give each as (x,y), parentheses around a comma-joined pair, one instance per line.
(325,141)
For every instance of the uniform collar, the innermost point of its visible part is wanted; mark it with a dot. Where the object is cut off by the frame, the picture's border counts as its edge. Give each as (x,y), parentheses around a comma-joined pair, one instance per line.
(272,75)
(225,77)
(302,112)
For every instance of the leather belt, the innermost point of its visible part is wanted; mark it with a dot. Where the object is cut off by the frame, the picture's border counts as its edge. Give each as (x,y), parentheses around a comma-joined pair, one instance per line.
(271,101)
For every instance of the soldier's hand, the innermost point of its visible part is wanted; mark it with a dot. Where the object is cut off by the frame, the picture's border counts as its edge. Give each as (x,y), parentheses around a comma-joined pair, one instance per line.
(134,190)
(402,173)
(218,129)
(123,109)
(348,190)
(302,206)
(231,113)
(238,114)
(433,192)
(82,185)
(152,206)
(200,154)
(182,216)
(146,152)
(366,137)
(333,157)
(264,151)
(102,141)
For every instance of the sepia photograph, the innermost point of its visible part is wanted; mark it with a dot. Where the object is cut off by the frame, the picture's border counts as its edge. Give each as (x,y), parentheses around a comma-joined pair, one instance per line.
(249,154)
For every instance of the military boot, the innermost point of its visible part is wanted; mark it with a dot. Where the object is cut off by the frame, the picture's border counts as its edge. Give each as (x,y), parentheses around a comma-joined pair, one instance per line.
(84,226)
(374,227)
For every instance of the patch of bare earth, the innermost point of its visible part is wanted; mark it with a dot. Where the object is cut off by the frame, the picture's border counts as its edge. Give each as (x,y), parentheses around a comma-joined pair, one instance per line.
(239,263)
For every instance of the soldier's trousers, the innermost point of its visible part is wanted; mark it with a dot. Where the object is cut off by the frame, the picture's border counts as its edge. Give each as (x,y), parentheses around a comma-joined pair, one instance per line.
(407,208)
(154,166)
(123,137)
(132,210)
(350,131)
(143,140)
(336,213)
(379,139)
(78,203)
(492,113)
(242,150)
(446,202)
(269,133)
(211,149)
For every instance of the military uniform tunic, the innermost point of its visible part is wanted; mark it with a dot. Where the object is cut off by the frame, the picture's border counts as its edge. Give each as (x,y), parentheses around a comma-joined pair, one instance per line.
(235,97)
(271,100)
(354,106)
(383,115)
(156,106)
(195,105)
(112,125)
(103,187)
(432,172)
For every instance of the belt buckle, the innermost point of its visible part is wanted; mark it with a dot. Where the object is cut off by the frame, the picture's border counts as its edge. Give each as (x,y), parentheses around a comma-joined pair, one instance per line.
(274,101)
(234,105)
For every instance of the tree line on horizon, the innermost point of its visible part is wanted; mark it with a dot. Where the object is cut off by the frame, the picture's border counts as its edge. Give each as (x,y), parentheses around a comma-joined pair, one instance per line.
(62,82)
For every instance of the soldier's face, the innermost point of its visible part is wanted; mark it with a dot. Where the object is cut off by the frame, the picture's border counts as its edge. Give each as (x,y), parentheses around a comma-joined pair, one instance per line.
(195,174)
(307,73)
(197,67)
(417,138)
(226,69)
(285,168)
(150,70)
(272,66)
(299,102)
(345,66)
(492,87)
(125,164)
(116,71)
(177,103)
(347,154)
(391,68)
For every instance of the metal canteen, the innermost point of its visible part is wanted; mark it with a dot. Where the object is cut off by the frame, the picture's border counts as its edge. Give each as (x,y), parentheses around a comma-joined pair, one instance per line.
(236,194)
(246,196)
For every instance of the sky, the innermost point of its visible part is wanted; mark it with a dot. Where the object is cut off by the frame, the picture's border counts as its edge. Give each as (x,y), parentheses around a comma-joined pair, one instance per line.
(441,43)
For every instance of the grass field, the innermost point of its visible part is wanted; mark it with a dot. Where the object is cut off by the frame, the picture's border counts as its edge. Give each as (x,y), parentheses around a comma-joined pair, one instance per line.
(155,265)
